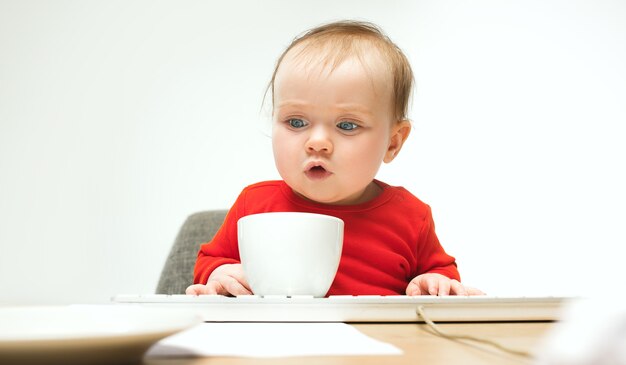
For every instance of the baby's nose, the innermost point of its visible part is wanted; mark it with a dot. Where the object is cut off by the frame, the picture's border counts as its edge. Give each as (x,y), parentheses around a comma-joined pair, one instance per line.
(319,141)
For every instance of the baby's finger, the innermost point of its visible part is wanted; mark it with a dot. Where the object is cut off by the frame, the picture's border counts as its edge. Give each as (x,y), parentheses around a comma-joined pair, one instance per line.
(196,289)
(241,278)
(444,287)
(234,287)
(191,290)
(433,286)
(474,291)
(457,288)
(214,287)
(413,289)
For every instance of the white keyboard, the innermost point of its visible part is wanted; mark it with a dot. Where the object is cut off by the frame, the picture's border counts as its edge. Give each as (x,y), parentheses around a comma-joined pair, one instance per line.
(252,308)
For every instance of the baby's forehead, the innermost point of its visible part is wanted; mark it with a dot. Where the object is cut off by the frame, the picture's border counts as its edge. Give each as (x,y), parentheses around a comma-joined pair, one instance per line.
(325,57)
(334,51)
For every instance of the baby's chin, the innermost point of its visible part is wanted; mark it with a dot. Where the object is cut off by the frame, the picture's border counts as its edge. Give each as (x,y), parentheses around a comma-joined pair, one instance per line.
(330,198)
(316,197)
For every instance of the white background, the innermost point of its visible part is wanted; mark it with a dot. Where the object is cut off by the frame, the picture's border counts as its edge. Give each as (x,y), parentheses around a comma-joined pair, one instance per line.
(120,118)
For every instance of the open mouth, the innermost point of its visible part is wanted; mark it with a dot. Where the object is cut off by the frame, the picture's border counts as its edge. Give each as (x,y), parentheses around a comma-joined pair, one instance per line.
(317,173)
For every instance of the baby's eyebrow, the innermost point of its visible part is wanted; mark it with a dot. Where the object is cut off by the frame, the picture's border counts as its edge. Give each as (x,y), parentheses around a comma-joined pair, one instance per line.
(343,108)
(292,103)
(354,108)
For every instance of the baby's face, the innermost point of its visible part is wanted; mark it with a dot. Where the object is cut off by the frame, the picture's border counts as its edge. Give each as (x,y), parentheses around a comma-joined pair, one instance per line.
(332,130)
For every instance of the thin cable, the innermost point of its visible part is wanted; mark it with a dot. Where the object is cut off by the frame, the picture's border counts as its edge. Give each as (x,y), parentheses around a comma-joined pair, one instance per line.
(438,332)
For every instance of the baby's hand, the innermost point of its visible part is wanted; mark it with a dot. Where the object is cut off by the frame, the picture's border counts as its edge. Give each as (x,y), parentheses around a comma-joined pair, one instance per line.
(437,284)
(227,279)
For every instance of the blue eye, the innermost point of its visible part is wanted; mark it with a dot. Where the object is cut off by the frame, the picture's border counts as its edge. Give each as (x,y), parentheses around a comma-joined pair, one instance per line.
(297,123)
(347,126)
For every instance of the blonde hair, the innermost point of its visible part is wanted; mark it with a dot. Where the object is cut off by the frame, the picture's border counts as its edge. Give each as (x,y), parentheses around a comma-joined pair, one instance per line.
(343,39)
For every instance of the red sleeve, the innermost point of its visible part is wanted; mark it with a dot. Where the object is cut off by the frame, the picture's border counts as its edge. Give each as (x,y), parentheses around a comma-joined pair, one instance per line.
(222,249)
(432,258)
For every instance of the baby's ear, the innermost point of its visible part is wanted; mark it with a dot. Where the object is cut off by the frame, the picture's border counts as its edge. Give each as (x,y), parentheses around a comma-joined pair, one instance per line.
(399,133)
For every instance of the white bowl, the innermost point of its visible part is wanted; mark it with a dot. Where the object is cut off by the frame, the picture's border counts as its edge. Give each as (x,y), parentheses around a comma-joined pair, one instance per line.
(85,334)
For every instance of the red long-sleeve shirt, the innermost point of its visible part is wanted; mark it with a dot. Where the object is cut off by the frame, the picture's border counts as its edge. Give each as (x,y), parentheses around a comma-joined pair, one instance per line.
(387,241)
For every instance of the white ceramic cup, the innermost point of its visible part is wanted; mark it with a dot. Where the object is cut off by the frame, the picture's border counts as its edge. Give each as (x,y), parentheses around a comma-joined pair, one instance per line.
(290,253)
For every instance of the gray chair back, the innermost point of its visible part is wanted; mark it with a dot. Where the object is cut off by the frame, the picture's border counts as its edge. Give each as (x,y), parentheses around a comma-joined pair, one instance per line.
(199,228)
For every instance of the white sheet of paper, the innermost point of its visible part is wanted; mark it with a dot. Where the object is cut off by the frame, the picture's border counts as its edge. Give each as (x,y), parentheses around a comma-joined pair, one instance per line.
(270,340)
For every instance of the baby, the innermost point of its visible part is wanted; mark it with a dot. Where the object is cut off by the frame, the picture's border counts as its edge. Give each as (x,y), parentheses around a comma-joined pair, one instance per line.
(340,95)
